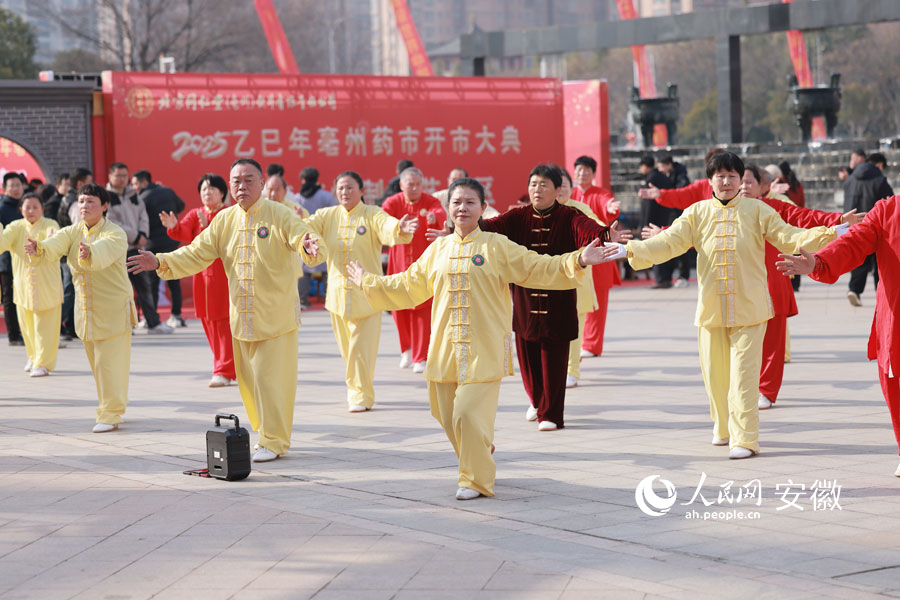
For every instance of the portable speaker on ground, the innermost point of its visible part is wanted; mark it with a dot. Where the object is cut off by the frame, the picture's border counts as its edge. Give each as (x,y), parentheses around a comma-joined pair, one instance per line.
(228,450)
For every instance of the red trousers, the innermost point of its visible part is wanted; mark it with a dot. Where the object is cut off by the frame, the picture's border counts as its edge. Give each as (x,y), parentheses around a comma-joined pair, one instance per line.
(414,329)
(772,372)
(890,387)
(544,366)
(218,333)
(595,324)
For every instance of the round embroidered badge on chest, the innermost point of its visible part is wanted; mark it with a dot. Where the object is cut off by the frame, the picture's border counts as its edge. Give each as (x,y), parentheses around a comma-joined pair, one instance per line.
(478,260)
(361,230)
(423,212)
(262,232)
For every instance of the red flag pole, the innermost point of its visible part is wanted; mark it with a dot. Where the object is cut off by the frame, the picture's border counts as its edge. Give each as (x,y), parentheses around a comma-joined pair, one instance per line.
(274,32)
(800,60)
(419,63)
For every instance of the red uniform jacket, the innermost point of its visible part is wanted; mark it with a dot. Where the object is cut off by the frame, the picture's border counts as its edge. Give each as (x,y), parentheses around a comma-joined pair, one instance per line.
(401,256)
(780,289)
(210,284)
(879,232)
(546,314)
(607,274)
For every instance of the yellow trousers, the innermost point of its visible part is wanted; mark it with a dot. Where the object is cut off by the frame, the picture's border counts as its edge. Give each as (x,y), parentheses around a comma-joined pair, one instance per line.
(40,330)
(267,379)
(467,413)
(358,340)
(111,364)
(575,349)
(787,344)
(731,358)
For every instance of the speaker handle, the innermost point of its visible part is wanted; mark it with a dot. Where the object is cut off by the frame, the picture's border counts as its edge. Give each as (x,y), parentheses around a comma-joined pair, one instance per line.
(237,424)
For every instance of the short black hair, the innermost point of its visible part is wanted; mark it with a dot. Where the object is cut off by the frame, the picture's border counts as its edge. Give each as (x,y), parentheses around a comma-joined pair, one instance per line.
(470,184)
(10,175)
(27,196)
(247,161)
(712,152)
(465,173)
(62,177)
(667,160)
(215,181)
(877,157)
(310,174)
(93,189)
(275,169)
(547,171)
(755,170)
(47,191)
(116,166)
(586,161)
(143,176)
(565,174)
(352,175)
(403,164)
(79,176)
(724,160)
(36,182)
(859,152)
(648,161)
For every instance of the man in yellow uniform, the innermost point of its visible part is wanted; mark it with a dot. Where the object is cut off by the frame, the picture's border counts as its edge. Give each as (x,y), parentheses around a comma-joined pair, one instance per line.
(729,233)
(468,274)
(356,231)
(37,285)
(255,240)
(104,300)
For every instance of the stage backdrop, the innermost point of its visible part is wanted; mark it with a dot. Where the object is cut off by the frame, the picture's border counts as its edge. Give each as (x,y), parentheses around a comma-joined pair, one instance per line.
(180,126)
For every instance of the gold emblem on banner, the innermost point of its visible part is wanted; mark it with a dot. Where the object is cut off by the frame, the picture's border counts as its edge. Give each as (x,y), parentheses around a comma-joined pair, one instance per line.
(139,101)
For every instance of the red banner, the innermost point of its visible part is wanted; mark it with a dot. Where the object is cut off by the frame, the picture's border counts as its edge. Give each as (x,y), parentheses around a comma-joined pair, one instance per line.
(646,81)
(586,113)
(180,126)
(800,60)
(274,32)
(419,63)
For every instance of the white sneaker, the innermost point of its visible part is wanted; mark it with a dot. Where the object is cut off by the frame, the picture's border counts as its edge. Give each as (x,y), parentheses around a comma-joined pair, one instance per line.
(571,381)
(39,371)
(142,324)
(356,408)
(765,403)
(681,283)
(28,366)
(467,494)
(406,359)
(588,354)
(739,452)
(853,297)
(717,441)
(419,367)
(219,381)
(546,426)
(897,472)
(264,455)
(531,414)
(160,329)
(104,427)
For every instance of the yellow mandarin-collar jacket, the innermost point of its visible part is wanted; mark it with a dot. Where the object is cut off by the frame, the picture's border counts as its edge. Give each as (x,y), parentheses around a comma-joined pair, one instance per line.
(257,247)
(586,299)
(471,316)
(37,284)
(104,300)
(357,234)
(731,267)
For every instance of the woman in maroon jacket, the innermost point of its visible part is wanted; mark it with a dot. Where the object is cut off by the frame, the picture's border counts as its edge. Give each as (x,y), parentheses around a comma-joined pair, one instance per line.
(211,284)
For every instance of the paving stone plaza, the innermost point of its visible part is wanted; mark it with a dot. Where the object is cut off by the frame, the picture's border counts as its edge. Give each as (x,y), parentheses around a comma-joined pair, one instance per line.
(363,506)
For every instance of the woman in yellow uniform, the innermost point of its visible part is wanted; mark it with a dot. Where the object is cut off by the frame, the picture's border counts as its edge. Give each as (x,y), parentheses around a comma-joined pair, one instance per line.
(37,286)
(104,299)
(468,274)
(356,231)
(733,306)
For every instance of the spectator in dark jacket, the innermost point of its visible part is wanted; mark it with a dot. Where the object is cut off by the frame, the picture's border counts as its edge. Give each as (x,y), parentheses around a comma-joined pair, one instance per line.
(656,214)
(157,199)
(678,175)
(51,204)
(13,190)
(66,211)
(865,186)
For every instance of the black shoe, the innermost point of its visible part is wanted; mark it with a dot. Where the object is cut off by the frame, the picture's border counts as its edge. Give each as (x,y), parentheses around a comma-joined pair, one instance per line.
(16,342)
(661,285)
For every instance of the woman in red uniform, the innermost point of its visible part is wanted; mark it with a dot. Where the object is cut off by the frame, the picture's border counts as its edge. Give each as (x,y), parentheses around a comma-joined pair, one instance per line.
(211,284)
